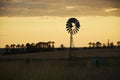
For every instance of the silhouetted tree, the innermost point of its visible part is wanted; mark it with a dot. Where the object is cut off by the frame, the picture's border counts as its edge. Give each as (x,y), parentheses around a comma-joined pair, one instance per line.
(6,46)
(111,45)
(12,46)
(39,45)
(62,46)
(33,47)
(93,44)
(7,49)
(108,44)
(22,48)
(98,44)
(104,46)
(28,47)
(90,44)
(32,44)
(49,44)
(53,44)
(18,46)
(118,43)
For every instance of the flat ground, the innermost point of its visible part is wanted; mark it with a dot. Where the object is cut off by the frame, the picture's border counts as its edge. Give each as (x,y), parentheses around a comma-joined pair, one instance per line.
(51,67)
(115,52)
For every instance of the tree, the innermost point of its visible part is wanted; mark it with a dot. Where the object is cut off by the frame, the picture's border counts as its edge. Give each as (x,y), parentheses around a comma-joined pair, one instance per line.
(49,44)
(33,44)
(39,45)
(22,48)
(104,45)
(53,44)
(90,44)
(118,43)
(28,47)
(18,46)
(7,46)
(93,44)
(111,44)
(7,49)
(98,44)
(62,46)
(12,46)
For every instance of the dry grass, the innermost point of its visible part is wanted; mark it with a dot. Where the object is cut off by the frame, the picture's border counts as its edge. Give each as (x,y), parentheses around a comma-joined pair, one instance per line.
(29,69)
(58,70)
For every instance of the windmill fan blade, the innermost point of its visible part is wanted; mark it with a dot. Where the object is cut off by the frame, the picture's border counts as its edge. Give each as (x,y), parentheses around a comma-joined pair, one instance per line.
(68,29)
(68,24)
(77,29)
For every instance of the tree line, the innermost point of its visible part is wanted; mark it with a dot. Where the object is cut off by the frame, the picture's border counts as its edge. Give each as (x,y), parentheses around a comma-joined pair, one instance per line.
(49,46)
(103,45)
(29,47)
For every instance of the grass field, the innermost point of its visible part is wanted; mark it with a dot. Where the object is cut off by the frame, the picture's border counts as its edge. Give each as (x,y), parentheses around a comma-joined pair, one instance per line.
(51,67)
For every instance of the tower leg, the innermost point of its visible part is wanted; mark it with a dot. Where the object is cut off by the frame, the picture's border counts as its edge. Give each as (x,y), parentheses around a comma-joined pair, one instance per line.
(71,46)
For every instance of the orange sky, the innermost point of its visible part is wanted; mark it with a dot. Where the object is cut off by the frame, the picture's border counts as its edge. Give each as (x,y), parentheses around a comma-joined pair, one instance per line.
(18,30)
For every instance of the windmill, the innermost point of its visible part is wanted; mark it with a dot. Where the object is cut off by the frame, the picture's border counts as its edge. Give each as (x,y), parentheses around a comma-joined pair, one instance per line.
(72,27)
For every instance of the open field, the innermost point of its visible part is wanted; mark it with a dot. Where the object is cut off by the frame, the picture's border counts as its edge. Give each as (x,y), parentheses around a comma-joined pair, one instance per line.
(115,52)
(55,66)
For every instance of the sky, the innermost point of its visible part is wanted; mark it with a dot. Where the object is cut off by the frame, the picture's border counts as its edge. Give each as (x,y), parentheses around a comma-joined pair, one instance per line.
(23,21)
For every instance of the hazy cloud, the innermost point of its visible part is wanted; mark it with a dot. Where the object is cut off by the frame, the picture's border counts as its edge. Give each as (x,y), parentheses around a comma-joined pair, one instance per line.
(59,7)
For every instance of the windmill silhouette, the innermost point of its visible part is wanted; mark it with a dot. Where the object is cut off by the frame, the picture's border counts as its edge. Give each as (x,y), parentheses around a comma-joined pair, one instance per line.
(72,27)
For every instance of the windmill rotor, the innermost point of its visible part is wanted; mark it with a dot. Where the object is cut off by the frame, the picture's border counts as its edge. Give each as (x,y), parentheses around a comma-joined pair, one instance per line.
(72,27)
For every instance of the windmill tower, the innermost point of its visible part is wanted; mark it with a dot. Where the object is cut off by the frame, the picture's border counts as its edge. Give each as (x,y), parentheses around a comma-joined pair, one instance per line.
(72,27)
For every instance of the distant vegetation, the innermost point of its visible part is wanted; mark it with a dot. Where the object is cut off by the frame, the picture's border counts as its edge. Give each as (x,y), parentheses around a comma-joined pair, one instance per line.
(29,47)
(49,46)
(103,45)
